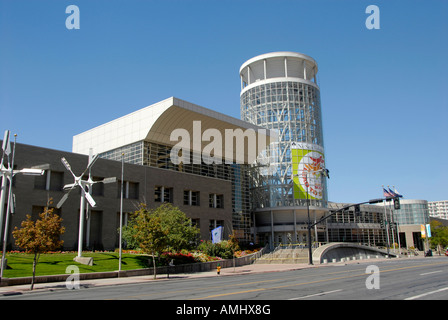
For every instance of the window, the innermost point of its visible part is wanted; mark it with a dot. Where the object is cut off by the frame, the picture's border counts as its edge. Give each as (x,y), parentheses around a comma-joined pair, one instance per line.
(50,180)
(98,188)
(216,200)
(163,194)
(191,198)
(215,224)
(130,190)
(40,182)
(195,223)
(195,198)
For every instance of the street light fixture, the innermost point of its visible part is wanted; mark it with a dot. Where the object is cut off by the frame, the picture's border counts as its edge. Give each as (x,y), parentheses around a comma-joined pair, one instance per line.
(86,187)
(325,173)
(8,174)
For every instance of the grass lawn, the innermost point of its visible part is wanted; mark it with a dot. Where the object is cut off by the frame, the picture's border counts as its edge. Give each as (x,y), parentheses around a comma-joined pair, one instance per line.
(21,264)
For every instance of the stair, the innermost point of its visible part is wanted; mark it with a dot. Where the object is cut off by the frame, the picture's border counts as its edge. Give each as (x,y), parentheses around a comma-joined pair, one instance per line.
(285,256)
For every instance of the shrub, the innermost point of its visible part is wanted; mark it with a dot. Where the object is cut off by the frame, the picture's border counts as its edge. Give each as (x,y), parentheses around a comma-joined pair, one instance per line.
(223,249)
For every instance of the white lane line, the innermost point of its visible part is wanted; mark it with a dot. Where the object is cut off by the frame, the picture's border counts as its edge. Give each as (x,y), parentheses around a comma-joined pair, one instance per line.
(424,274)
(314,295)
(426,294)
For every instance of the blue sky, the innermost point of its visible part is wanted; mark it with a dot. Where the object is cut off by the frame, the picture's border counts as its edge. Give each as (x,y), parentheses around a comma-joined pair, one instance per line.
(383,92)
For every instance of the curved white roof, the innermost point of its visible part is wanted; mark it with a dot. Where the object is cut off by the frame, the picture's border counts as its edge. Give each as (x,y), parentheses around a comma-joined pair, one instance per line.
(155,123)
(270,67)
(279,54)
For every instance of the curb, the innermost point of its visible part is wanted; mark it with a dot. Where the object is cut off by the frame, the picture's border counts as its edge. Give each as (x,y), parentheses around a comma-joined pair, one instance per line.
(88,283)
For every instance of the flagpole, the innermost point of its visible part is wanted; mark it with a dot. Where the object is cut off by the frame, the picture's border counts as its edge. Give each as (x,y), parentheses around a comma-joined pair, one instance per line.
(392,221)
(8,208)
(121,214)
(398,231)
(386,224)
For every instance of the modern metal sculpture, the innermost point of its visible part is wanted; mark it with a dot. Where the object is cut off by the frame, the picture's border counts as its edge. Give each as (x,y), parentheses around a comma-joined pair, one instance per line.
(86,186)
(7,174)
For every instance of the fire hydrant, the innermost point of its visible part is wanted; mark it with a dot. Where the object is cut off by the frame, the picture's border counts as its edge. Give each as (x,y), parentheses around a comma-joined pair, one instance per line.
(218,269)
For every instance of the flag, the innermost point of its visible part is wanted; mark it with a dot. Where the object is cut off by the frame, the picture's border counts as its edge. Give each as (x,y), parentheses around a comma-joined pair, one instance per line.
(393,193)
(387,193)
(397,193)
(216,235)
(428,230)
(423,230)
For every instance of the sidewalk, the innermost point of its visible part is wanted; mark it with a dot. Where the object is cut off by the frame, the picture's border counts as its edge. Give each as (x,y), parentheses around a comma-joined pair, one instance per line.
(247,269)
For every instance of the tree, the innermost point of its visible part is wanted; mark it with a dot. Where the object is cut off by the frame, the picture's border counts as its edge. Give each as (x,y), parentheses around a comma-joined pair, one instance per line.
(439,235)
(39,236)
(181,234)
(161,229)
(148,233)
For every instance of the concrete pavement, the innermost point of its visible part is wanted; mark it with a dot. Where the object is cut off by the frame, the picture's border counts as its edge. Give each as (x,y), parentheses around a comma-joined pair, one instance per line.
(247,269)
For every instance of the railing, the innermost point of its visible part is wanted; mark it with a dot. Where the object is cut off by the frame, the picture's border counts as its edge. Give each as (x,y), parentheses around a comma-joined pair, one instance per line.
(298,245)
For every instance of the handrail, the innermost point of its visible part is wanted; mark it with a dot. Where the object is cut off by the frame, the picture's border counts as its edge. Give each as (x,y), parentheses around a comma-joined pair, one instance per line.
(301,245)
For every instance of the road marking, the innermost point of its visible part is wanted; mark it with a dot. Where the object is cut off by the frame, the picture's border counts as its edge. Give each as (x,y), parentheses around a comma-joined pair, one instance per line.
(239,284)
(312,282)
(426,294)
(278,287)
(314,295)
(424,274)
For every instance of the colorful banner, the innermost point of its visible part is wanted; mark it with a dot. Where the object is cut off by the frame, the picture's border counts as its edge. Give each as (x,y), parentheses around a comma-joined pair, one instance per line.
(423,230)
(428,230)
(217,235)
(306,159)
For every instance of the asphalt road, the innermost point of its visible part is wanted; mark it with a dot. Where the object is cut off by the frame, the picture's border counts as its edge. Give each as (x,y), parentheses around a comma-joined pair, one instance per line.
(395,279)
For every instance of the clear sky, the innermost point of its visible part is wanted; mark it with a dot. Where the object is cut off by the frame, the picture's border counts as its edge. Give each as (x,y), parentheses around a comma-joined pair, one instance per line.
(383,91)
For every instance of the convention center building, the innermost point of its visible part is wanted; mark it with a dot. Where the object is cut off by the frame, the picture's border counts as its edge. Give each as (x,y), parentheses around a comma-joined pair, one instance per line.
(259,177)
(211,186)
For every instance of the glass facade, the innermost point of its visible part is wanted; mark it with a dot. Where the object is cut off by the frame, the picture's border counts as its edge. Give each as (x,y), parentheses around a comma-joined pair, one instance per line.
(365,227)
(133,153)
(241,204)
(412,212)
(279,92)
(158,156)
(292,109)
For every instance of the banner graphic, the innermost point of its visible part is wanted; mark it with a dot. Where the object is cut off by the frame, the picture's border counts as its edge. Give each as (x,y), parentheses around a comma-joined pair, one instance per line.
(306,159)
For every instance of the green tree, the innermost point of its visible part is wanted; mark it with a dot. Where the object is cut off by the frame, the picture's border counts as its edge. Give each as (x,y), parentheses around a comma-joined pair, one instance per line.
(439,235)
(148,233)
(181,234)
(39,236)
(161,229)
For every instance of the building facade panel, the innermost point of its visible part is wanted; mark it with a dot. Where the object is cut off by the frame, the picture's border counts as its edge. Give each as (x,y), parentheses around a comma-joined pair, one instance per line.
(140,182)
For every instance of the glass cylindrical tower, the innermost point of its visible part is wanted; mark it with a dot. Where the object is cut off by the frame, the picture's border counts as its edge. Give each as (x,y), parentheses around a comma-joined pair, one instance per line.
(279,91)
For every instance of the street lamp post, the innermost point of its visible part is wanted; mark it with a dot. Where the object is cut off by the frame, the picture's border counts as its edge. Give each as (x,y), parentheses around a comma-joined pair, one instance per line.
(325,172)
(121,212)
(310,258)
(8,174)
